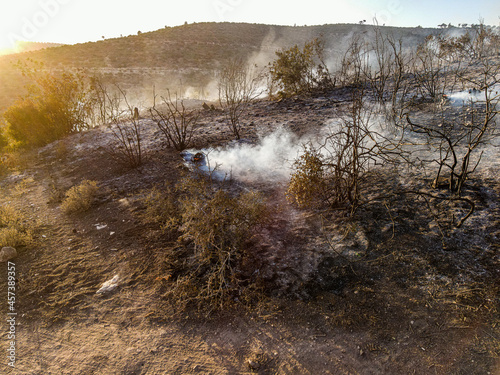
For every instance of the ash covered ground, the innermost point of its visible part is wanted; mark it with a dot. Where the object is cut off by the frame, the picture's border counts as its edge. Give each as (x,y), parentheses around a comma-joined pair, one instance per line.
(379,291)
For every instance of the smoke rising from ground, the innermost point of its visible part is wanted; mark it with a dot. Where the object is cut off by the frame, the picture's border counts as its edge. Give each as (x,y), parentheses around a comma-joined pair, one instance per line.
(269,159)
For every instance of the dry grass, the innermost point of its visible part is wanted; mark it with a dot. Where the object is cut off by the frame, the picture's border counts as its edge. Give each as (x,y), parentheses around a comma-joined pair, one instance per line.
(4,168)
(15,160)
(22,187)
(80,198)
(15,231)
(162,209)
(208,225)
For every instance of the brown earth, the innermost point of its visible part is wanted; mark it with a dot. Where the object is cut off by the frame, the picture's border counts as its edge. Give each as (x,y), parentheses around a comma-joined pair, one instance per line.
(394,302)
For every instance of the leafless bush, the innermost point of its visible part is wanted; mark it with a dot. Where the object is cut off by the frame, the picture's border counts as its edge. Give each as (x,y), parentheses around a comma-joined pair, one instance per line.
(434,74)
(353,63)
(238,85)
(457,140)
(176,122)
(127,132)
(378,68)
(386,71)
(111,107)
(333,173)
(210,226)
(106,104)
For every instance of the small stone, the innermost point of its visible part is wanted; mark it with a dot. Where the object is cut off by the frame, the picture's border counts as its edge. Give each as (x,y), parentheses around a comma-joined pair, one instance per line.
(253,365)
(109,285)
(7,253)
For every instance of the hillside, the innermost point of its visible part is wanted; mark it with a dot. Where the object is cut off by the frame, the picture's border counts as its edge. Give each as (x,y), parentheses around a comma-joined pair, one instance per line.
(26,46)
(184,56)
(345,229)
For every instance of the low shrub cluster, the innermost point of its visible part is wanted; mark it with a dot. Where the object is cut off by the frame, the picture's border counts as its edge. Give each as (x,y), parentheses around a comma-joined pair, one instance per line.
(15,230)
(297,72)
(308,184)
(53,108)
(211,225)
(80,197)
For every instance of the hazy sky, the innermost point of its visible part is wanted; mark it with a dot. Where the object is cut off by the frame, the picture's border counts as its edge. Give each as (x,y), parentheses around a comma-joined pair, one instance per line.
(76,21)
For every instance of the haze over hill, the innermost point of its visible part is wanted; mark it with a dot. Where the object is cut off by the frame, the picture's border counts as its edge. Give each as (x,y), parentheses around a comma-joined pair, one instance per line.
(25,46)
(184,58)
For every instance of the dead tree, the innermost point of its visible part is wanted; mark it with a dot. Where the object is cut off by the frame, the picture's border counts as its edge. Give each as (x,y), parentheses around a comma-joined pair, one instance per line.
(456,141)
(238,85)
(106,101)
(127,131)
(175,121)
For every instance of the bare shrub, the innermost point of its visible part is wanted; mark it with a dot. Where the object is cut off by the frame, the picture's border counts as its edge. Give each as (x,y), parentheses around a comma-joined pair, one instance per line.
(385,66)
(126,128)
(212,226)
(80,198)
(105,101)
(457,140)
(353,63)
(238,85)
(434,74)
(379,66)
(333,172)
(175,121)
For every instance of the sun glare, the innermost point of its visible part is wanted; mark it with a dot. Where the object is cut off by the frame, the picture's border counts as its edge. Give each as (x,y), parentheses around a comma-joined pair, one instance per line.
(7,49)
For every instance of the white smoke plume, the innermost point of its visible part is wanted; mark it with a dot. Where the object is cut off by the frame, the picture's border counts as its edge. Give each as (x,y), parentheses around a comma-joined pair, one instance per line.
(270,159)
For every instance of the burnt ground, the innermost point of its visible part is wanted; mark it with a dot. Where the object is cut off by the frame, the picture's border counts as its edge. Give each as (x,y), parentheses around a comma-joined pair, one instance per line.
(376,293)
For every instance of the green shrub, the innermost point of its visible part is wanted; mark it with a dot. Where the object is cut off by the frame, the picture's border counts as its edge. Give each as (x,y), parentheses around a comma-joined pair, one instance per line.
(298,71)
(52,108)
(80,198)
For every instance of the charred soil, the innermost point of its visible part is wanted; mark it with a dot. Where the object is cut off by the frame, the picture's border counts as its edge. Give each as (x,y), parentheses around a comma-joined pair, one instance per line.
(378,292)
